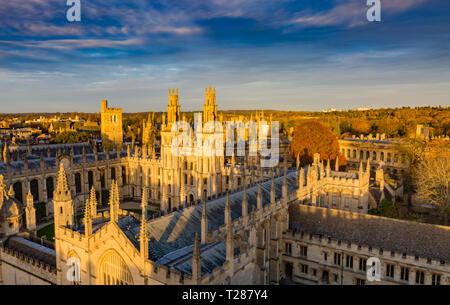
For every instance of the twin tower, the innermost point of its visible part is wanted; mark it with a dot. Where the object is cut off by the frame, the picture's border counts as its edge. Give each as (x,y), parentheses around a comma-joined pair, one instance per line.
(209,108)
(111,118)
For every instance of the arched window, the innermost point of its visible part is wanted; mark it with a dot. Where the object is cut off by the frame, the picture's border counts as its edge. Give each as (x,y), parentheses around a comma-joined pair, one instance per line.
(77,183)
(34,186)
(90,179)
(113,173)
(49,184)
(18,191)
(114,271)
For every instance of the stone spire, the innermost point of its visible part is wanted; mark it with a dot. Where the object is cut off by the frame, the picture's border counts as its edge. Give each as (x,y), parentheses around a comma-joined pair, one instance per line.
(143,237)
(204,224)
(328,171)
(229,228)
(301,181)
(244,203)
(6,157)
(62,192)
(272,191)
(88,219)
(259,198)
(62,201)
(368,166)
(284,187)
(114,202)
(336,165)
(30,213)
(196,261)
(227,209)
(93,202)
(11,192)
(298,161)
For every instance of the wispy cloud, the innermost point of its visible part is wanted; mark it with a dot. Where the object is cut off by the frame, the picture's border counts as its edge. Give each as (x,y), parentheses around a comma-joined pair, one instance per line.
(351,13)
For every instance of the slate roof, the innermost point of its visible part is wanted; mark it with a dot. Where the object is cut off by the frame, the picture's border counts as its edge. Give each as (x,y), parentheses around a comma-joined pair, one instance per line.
(172,236)
(424,240)
(32,249)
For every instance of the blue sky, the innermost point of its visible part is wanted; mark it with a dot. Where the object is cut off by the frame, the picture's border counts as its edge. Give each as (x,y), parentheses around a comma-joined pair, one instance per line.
(286,55)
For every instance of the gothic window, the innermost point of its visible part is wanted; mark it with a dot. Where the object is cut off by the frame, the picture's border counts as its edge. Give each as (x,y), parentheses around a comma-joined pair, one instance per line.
(185,179)
(436,279)
(374,156)
(49,184)
(420,277)
(90,179)
(388,157)
(34,186)
(102,178)
(114,271)
(124,175)
(304,251)
(77,183)
(113,173)
(349,262)
(18,191)
(362,264)
(337,259)
(390,270)
(347,201)
(361,155)
(354,154)
(382,156)
(333,200)
(404,274)
(192,180)
(288,248)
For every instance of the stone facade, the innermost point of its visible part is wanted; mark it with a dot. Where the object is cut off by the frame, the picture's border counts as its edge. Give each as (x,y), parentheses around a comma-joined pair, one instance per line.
(111,126)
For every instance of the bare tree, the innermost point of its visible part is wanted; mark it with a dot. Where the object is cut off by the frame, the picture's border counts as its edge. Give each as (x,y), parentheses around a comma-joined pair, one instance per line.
(433,179)
(412,151)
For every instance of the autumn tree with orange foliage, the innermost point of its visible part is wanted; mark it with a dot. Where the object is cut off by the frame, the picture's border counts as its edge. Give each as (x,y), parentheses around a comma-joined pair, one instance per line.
(312,137)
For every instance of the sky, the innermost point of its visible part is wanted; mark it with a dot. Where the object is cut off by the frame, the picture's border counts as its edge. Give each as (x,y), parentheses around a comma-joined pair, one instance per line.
(273,54)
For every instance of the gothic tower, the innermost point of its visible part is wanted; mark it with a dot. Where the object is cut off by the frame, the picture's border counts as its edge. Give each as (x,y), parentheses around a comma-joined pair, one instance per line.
(111,126)
(210,107)
(173,109)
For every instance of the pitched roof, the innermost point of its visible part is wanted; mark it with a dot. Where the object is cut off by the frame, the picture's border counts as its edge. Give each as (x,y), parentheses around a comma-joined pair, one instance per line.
(424,240)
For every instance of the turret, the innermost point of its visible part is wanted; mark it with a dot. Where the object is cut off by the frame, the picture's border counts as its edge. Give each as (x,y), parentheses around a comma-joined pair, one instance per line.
(93,202)
(272,191)
(245,204)
(30,213)
(196,261)
(259,198)
(143,237)
(336,165)
(87,219)
(62,201)
(229,228)
(204,224)
(114,202)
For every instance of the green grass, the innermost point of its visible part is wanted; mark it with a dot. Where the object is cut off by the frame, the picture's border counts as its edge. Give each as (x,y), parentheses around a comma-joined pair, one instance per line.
(49,230)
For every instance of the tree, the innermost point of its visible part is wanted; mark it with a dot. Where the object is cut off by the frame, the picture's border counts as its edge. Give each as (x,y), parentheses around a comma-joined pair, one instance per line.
(360,126)
(413,152)
(70,137)
(433,178)
(312,137)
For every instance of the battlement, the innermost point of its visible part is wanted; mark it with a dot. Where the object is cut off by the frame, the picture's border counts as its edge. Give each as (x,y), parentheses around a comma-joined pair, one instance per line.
(105,109)
(361,249)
